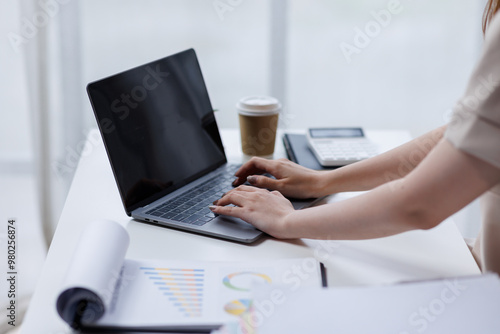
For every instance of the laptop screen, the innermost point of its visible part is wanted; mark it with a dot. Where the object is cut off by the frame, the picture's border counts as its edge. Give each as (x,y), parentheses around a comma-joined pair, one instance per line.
(158,127)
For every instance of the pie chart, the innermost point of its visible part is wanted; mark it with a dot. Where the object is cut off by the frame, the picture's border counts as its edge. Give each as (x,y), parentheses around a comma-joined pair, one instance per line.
(238,307)
(243,281)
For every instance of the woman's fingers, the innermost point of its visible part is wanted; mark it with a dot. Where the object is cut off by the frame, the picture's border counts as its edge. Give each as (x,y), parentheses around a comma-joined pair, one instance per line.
(262,181)
(263,209)
(277,193)
(252,165)
(246,188)
(240,188)
(236,196)
(232,197)
(232,211)
(255,165)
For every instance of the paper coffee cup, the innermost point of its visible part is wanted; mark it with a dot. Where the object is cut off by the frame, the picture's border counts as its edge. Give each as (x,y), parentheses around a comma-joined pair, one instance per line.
(258,124)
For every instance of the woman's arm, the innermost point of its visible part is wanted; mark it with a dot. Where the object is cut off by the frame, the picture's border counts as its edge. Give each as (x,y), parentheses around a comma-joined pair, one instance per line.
(293,180)
(386,167)
(446,181)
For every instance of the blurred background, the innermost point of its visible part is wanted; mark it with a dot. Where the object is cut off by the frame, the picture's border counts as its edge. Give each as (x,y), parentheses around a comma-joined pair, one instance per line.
(379,64)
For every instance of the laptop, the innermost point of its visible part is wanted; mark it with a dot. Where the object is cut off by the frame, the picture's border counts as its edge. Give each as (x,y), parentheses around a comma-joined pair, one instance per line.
(164,146)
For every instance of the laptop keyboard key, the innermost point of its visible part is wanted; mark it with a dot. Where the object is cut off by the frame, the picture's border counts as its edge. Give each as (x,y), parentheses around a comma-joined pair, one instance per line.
(164,209)
(191,219)
(205,218)
(156,213)
(200,206)
(180,217)
(210,215)
(190,211)
(199,223)
(192,206)
(168,215)
(204,211)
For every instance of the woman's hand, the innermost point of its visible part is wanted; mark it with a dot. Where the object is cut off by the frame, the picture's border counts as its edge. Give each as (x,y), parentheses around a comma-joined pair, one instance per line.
(292,180)
(265,210)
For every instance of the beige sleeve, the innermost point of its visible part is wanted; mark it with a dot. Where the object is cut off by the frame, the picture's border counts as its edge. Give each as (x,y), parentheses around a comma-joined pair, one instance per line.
(475,125)
(475,129)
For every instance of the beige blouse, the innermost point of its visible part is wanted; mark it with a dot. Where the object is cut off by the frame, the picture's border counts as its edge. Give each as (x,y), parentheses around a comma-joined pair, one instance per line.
(475,129)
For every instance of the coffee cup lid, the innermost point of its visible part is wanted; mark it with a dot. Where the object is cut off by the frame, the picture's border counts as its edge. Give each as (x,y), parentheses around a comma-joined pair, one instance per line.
(258,106)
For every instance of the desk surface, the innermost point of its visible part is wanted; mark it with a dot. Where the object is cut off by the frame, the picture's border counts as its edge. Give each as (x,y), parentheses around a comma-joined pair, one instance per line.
(440,252)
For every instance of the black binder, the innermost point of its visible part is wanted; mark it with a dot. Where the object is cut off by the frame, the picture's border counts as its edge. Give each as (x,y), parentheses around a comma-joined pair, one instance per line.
(298,151)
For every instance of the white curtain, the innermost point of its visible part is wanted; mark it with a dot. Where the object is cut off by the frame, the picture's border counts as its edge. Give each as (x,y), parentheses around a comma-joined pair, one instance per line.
(49,40)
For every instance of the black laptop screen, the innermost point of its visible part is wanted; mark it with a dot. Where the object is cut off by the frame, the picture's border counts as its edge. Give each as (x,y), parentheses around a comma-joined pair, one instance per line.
(158,127)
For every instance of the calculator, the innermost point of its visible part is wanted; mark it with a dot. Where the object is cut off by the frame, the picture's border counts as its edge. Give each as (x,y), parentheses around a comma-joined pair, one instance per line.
(340,146)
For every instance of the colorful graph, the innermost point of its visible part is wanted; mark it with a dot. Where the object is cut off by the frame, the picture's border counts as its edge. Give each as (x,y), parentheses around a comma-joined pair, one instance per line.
(182,287)
(238,307)
(242,281)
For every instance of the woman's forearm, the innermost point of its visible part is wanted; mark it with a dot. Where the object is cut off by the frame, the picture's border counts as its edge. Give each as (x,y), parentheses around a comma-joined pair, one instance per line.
(371,215)
(441,185)
(386,167)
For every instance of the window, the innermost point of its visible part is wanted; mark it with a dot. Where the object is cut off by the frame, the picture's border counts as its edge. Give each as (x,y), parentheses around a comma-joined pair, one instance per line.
(387,64)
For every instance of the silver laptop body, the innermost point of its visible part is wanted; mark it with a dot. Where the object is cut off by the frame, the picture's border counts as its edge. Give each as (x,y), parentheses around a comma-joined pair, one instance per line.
(164,146)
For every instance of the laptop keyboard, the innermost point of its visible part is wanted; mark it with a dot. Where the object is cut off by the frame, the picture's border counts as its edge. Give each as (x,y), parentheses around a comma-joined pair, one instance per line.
(191,207)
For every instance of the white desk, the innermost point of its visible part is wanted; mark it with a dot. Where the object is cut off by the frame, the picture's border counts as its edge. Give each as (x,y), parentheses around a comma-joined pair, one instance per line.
(440,252)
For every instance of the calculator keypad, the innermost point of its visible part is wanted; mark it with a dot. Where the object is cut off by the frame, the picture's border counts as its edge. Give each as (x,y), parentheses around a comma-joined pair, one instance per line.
(336,152)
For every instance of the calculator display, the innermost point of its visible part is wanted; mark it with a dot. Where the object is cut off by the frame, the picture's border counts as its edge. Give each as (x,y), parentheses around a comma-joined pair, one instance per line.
(336,132)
